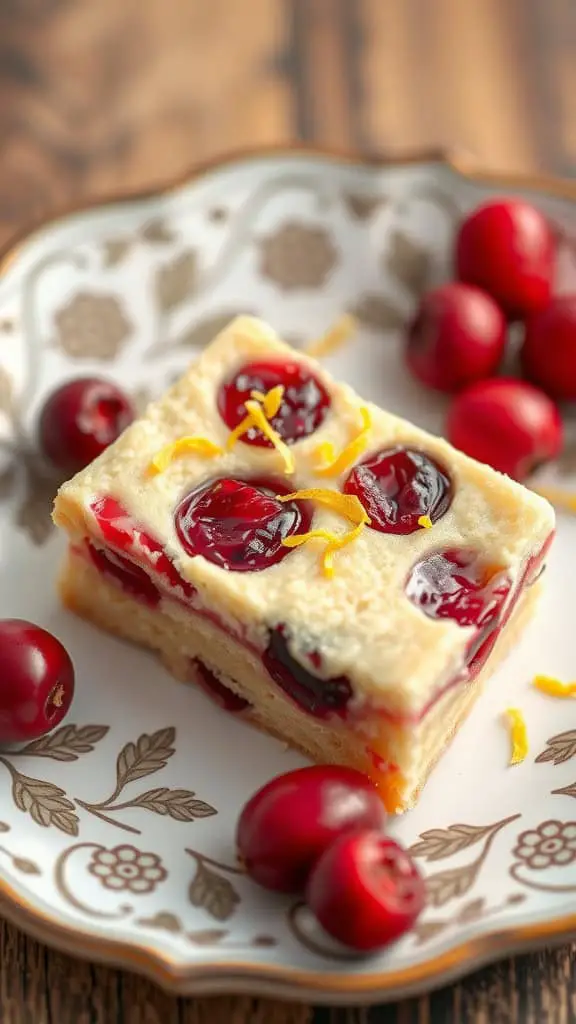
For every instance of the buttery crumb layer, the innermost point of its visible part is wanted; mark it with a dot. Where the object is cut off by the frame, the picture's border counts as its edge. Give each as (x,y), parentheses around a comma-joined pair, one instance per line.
(360,621)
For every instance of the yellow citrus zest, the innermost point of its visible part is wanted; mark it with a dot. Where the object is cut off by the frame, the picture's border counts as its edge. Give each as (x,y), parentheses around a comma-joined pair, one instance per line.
(271,401)
(257,412)
(334,338)
(565,500)
(425,522)
(554,687)
(332,465)
(183,446)
(518,736)
(347,505)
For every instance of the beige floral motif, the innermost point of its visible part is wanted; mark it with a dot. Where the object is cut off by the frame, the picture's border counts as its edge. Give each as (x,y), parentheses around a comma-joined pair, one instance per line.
(298,255)
(552,843)
(92,325)
(126,868)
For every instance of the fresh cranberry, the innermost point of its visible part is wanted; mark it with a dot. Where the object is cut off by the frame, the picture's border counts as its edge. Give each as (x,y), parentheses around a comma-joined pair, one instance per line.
(238,524)
(36,681)
(457,585)
(507,247)
(80,420)
(548,355)
(457,336)
(132,578)
(319,697)
(216,690)
(287,824)
(398,486)
(304,407)
(365,890)
(506,423)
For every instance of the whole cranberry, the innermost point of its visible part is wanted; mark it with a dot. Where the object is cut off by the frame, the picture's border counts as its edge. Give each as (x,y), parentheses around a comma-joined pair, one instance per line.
(80,419)
(506,423)
(36,681)
(288,823)
(548,355)
(507,247)
(365,890)
(457,336)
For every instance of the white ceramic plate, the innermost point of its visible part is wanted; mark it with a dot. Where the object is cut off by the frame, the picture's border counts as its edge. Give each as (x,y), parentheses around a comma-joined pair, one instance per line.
(117,831)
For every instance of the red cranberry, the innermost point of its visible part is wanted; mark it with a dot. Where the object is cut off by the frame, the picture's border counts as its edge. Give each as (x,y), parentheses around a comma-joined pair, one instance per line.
(287,824)
(80,420)
(457,336)
(507,247)
(238,524)
(398,486)
(365,890)
(305,403)
(36,681)
(132,578)
(506,423)
(319,697)
(216,690)
(548,355)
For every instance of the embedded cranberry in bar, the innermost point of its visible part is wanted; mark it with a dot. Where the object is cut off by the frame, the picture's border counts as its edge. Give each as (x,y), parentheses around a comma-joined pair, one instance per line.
(397,487)
(305,403)
(217,690)
(318,697)
(239,524)
(132,578)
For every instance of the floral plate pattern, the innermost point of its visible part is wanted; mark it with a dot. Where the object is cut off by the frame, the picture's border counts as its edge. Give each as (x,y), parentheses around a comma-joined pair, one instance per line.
(116,831)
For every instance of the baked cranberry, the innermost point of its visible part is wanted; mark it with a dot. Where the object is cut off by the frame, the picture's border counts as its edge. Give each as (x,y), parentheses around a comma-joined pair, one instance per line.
(36,681)
(80,419)
(131,577)
(319,697)
(398,486)
(304,407)
(458,585)
(457,336)
(365,890)
(287,824)
(506,423)
(507,247)
(216,690)
(548,355)
(239,524)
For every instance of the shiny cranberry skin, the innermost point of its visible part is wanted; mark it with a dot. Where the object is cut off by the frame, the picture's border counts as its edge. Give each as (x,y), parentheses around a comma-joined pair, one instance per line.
(507,247)
(131,577)
(80,419)
(399,485)
(457,336)
(548,355)
(286,825)
(506,423)
(305,403)
(239,524)
(365,890)
(319,697)
(216,690)
(36,681)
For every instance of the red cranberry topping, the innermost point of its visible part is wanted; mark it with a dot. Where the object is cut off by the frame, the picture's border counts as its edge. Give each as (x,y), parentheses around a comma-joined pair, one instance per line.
(365,890)
(288,824)
(132,578)
(398,486)
(36,681)
(548,355)
(238,524)
(304,407)
(319,697)
(216,690)
(457,585)
(80,420)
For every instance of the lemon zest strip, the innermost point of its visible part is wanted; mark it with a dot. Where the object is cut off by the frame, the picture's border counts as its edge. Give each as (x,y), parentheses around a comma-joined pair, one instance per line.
(425,522)
(349,454)
(518,735)
(271,401)
(554,687)
(183,446)
(334,338)
(565,500)
(256,416)
(347,505)
(333,544)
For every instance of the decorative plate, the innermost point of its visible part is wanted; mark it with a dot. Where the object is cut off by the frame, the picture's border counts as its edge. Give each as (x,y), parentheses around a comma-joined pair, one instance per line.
(117,830)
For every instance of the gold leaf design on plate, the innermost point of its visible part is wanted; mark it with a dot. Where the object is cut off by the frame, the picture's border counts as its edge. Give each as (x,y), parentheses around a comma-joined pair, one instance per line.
(207,936)
(67,743)
(4,826)
(6,326)
(217,214)
(407,262)
(361,206)
(424,931)
(127,869)
(210,889)
(264,941)
(164,920)
(6,391)
(149,754)
(92,326)
(437,843)
(471,911)
(27,867)
(115,250)
(565,790)
(449,884)
(559,748)
(176,281)
(45,802)
(179,804)
(550,844)
(298,256)
(8,478)
(33,515)
(157,232)
(378,313)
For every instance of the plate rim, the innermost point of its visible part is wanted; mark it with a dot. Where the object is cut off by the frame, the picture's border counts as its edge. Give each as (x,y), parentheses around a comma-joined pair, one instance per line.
(266,979)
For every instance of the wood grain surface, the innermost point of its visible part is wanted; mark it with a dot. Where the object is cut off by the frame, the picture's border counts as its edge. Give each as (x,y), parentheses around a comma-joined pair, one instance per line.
(103,96)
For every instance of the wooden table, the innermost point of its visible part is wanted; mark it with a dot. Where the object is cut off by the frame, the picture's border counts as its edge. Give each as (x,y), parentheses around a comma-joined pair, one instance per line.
(101,96)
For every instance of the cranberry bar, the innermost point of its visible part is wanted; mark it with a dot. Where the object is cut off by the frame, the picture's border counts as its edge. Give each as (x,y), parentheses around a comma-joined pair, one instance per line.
(322,568)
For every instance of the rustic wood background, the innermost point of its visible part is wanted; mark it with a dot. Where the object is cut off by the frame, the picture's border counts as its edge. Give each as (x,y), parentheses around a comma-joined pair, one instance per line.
(103,96)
